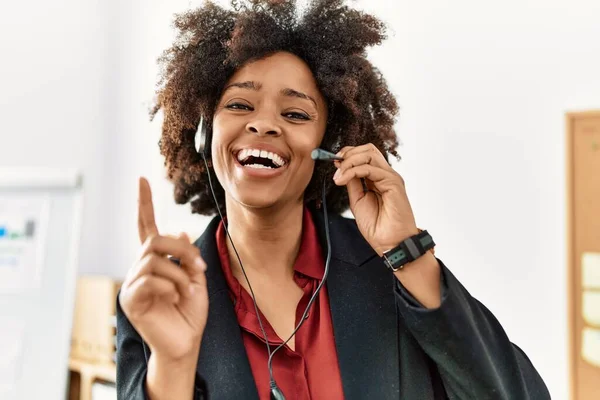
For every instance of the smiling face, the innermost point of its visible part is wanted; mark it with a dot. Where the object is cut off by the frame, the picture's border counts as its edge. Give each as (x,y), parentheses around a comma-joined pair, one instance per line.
(269,118)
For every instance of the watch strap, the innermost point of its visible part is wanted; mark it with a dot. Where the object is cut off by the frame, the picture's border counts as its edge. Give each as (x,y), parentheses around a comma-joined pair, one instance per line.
(408,251)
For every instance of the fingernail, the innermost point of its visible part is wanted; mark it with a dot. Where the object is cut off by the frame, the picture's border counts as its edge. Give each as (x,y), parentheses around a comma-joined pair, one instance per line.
(336,175)
(191,289)
(200,264)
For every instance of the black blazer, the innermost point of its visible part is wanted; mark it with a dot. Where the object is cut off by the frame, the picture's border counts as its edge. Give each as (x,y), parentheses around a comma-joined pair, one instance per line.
(388,346)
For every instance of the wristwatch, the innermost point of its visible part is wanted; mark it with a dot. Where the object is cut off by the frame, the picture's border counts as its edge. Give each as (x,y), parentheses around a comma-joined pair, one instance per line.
(409,250)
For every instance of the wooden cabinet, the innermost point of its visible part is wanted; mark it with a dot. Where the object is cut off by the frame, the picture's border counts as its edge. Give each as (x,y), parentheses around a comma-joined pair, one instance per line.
(93,336)
(583,237)
(83,375)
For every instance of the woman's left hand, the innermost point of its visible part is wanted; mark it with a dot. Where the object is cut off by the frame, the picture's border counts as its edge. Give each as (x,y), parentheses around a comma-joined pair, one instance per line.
(383,213)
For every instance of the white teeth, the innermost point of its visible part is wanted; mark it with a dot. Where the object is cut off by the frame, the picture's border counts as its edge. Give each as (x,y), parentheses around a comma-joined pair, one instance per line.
(245,153)
(258,166)
(278,160)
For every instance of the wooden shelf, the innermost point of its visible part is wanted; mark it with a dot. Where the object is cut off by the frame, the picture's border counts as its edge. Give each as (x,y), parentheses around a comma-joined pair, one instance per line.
(84,374)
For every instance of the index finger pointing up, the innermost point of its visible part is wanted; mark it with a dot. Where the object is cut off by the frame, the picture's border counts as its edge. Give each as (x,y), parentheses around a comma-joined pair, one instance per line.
(146,222)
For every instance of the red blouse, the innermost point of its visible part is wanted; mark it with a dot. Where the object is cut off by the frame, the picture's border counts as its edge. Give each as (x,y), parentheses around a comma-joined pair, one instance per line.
(311,371)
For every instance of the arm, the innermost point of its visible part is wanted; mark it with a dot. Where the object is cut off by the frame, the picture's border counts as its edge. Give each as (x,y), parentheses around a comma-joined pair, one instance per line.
(473,354)
(142,376)
(168,379)
(168,306)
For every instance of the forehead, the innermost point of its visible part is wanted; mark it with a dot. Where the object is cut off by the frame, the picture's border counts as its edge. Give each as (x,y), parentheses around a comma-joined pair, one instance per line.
(277,71)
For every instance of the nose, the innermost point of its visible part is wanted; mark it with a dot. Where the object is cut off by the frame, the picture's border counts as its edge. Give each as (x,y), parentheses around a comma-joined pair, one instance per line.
(263,127)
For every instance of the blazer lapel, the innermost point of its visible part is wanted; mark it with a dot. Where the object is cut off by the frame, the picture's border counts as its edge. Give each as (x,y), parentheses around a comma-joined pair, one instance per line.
(223,362)
(363,312)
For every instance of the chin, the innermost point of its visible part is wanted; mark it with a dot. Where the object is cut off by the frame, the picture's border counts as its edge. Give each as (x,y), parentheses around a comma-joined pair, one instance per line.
(258,199)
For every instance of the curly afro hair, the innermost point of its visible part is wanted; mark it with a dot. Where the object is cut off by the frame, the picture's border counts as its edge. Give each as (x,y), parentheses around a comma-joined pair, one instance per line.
(213,42)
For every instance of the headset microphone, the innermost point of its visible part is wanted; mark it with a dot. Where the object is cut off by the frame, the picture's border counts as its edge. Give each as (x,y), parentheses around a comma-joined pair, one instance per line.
(324,155)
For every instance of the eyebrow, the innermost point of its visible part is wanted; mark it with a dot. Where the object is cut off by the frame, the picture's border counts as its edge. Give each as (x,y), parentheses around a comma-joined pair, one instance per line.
(251,85)
(295,93)
(244,85)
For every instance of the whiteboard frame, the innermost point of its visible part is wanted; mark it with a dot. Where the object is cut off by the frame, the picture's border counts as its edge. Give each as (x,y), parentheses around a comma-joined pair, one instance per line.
(36,177)
(19,179)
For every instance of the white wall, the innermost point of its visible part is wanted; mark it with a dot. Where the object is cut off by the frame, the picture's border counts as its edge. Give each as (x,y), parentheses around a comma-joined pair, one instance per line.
(55,103)
(143,32)
(483,88)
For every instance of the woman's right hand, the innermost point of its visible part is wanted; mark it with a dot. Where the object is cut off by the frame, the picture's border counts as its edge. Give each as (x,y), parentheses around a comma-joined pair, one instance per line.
(167,304)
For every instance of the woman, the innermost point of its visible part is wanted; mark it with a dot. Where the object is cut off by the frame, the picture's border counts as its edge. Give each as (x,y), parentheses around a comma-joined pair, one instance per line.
(273,87)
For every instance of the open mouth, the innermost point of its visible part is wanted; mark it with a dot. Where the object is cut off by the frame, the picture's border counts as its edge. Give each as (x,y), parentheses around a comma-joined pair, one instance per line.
(254,158)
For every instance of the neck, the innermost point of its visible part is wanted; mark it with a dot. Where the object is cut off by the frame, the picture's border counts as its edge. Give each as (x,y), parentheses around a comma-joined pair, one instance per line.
(267,240)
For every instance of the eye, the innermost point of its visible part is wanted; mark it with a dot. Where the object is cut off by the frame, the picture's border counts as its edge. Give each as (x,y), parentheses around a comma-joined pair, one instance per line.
(296,115)
(238,106)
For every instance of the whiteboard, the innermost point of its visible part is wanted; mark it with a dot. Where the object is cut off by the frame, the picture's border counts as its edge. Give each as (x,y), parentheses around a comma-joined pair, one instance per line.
(40,216)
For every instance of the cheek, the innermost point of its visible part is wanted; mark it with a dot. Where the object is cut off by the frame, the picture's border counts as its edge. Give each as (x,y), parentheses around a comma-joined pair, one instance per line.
(306,143)
(223,135)
(309,139)
(218,132)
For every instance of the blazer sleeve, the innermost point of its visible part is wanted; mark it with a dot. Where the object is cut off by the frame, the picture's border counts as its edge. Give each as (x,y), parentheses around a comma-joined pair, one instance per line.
(473,354)
(132,358)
